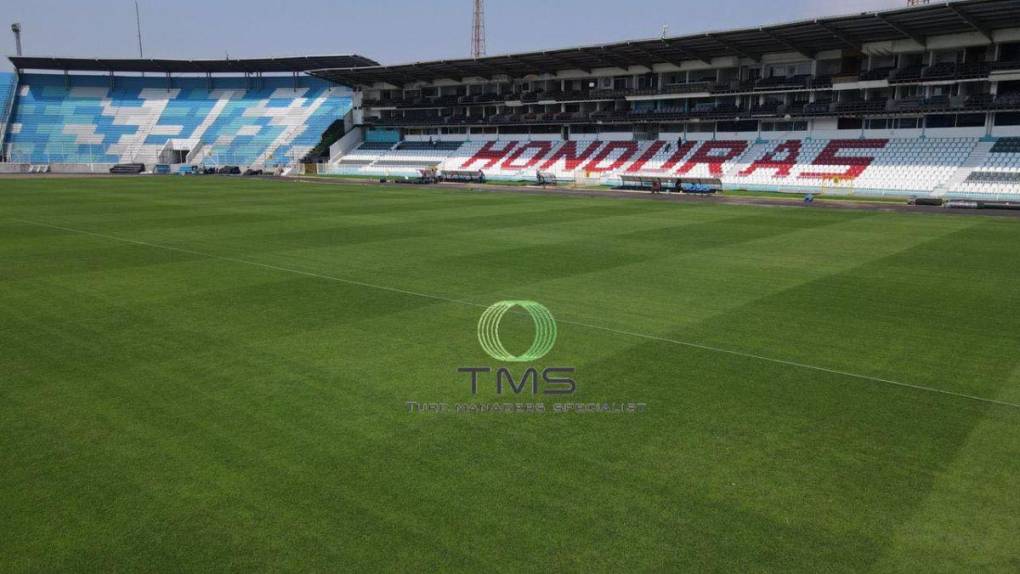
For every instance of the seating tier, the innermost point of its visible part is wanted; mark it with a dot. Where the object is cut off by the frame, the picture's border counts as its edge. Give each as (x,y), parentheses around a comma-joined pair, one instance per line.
(83,119)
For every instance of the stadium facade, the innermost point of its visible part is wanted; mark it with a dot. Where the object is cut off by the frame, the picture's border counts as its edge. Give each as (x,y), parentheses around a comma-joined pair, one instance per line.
(918,101)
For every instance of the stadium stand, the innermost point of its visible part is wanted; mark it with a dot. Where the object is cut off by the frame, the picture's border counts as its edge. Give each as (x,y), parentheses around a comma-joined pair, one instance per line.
(907,102)
(920,165)
(8,85)
(83,120)
(416,155)
(908,165)
(365,155)
(406,158)
(998,173)
(860,103)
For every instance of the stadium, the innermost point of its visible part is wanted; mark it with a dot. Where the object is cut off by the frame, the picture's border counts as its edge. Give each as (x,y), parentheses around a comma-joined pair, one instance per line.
(733,300)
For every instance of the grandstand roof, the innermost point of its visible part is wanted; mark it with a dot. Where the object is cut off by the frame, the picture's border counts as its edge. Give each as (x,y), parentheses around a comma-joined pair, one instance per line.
(253,65)
(807,37)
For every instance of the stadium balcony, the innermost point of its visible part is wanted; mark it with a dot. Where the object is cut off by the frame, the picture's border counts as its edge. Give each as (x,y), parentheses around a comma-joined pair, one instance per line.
(979,102)
(906,75)
(708,111)
(943,71)
(783,83)
(691,88)
(862,107)
(972,71)
(952,71)
(938,104)
(770,85)
(1005,65)
(818,108)
(1009,100)
(821,82)
(767,109)
(733,87)
(877,74)
(560,96)
(911,104)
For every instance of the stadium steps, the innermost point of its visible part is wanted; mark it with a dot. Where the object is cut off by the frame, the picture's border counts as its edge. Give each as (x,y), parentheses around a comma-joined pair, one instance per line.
(288,135)
(141,153)
(199,153)
(977,158)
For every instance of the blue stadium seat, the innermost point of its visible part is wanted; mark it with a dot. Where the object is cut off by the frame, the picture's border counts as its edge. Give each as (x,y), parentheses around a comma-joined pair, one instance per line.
(85,120)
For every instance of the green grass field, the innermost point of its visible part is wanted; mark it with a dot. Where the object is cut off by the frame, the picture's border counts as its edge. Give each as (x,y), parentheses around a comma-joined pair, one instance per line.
(212,374)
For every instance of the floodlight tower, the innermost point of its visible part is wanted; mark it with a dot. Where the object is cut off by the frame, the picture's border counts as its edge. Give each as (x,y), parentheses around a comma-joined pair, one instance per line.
(16,28)
(478,33)
(138,25)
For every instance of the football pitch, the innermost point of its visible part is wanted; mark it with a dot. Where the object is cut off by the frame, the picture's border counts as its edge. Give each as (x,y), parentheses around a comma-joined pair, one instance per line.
(219,374)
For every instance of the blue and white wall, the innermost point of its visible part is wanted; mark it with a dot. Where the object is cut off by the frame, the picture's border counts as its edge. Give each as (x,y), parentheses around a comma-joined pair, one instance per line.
(82,119)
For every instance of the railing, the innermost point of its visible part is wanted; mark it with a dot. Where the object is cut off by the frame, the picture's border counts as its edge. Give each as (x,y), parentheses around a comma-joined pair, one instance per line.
(906,106)
(77,154)
(254,157)
(267,156)
(25,153)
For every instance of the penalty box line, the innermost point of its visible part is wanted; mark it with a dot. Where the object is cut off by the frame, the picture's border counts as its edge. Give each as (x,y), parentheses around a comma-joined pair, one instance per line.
(441,298)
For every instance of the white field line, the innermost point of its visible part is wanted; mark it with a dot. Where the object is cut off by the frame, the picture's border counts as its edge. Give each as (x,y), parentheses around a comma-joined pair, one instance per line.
(567,322)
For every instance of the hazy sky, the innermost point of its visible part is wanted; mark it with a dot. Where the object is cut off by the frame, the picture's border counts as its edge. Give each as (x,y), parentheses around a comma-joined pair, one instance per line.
(390,31)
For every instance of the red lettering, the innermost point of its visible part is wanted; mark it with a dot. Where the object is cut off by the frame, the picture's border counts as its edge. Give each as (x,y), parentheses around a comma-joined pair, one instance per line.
(489,154)
(629,149)
(681,152)
(568,151)
(782,159)
(541,149)
(855,164)
(731,150)
(646,157)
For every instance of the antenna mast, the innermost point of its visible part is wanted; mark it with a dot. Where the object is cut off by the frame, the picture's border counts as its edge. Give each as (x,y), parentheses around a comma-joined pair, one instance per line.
(16,28)
(478,35)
